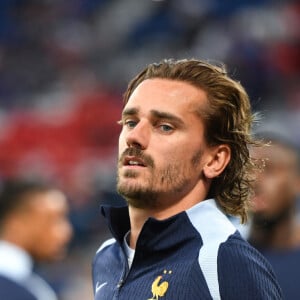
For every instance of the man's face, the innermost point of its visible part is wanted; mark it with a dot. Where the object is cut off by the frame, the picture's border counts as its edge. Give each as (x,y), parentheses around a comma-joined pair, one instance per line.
(48,227)
(161,145)
(276,184)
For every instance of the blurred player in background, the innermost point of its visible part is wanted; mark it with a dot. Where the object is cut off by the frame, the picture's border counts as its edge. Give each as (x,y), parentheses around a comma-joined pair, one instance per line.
(274,228)
(34,227)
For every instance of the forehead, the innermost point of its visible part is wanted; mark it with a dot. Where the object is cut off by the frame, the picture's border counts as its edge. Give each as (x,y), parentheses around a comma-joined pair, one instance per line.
(166,94)
(49,201)
(276,154)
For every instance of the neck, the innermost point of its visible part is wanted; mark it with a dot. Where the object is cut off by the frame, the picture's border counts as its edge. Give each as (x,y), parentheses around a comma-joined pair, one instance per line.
(16,235)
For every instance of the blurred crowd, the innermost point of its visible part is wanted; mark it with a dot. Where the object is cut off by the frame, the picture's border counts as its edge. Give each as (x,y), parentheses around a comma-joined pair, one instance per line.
(65,64)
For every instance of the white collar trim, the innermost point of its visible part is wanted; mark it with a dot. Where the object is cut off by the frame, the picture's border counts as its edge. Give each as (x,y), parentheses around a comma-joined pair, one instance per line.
(15,263)
(129,251)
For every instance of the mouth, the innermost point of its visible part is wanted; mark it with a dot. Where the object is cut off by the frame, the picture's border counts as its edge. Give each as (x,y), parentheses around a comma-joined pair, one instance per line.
(132,161)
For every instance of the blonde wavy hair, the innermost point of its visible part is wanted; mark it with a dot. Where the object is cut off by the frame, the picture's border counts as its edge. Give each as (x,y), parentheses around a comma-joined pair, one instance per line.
(228,120)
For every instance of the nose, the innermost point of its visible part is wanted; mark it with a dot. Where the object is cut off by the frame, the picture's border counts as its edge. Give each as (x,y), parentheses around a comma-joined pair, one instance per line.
(138,136)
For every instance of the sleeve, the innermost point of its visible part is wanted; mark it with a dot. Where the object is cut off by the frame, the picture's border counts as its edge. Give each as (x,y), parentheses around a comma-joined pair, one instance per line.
(244,273)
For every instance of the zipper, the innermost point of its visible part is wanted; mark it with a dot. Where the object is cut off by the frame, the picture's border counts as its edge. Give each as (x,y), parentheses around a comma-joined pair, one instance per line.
(123,277)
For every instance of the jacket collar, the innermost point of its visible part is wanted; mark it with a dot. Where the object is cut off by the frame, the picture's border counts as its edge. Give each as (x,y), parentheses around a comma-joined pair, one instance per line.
(156,234)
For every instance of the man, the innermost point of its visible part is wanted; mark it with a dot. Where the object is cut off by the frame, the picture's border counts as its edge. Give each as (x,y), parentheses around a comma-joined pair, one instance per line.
(274,228)
(183,165)
(33,228)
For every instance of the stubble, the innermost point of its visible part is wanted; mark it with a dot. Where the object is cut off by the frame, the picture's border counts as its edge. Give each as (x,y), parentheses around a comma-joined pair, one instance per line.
(173,181)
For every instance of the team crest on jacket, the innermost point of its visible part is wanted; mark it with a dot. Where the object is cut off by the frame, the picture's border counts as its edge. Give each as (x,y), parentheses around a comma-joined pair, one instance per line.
(159,288)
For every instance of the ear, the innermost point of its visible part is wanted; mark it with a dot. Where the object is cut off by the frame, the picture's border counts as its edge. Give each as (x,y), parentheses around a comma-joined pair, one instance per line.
(218,159)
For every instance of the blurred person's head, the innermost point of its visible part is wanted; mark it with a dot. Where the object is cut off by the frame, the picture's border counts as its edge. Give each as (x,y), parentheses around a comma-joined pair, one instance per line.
(34,216)
(278,181)
(209,100)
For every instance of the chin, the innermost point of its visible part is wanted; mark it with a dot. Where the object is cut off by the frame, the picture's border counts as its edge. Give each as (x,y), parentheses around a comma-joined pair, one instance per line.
(129,188)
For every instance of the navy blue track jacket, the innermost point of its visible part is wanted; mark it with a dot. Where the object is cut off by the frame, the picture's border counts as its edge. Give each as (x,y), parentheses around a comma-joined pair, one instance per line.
(11,290)
(196,254)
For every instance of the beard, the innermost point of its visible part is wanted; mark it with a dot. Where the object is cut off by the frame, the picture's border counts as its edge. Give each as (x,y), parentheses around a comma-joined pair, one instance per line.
(174,180)
(268,221)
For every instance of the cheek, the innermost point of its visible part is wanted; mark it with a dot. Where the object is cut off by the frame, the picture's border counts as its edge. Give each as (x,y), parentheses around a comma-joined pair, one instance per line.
(277,184)
(122,143)
(185,156)
(61,232)
(180,160)
(277,189)
(57,234)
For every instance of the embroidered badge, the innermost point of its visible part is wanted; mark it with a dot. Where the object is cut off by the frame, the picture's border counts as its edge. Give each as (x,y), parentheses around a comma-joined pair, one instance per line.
(158,288)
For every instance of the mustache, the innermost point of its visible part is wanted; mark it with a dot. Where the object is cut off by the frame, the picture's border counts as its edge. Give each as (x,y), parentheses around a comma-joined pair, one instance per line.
(147,159)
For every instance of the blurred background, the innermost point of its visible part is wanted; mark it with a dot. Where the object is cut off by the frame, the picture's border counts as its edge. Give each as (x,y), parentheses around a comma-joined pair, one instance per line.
(65,64)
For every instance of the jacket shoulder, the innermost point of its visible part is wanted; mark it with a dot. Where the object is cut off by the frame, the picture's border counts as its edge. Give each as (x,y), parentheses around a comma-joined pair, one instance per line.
(244,273)
(12,290)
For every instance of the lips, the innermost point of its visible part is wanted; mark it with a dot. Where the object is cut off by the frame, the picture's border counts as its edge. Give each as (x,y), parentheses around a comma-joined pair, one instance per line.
(134,157)
(133,161)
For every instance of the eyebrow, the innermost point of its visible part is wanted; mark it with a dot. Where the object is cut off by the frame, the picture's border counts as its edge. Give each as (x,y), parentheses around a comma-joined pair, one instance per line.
(130,112)
(155,114)
(166,116)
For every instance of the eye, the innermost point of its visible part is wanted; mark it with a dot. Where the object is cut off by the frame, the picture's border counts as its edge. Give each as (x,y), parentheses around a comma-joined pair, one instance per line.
(165,127)
(130,123)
